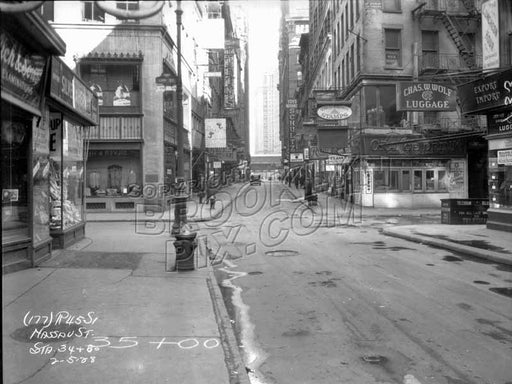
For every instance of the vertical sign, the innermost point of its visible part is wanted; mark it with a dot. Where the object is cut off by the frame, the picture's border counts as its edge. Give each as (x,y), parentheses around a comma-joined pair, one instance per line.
(490,34)
(292,107)
(229,86)
(215,133)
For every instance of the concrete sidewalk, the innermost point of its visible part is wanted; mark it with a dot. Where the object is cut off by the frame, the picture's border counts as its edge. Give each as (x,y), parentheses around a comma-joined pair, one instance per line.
(106,311)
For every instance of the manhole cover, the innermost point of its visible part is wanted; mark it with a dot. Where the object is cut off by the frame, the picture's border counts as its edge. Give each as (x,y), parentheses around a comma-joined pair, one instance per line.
(282,253)
(35,332)
(374,359)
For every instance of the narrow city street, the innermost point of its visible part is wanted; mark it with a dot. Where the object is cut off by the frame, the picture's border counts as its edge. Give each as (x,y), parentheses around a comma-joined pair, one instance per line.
(339,303)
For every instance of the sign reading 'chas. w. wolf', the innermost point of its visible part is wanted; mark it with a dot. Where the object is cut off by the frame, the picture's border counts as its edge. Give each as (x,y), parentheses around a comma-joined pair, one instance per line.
(425,96)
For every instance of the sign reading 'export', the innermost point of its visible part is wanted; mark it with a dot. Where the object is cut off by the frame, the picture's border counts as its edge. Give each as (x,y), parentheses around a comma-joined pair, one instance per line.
(425,96)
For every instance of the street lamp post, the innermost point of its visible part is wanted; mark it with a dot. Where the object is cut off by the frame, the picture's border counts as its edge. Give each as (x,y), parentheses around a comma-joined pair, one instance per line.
(180,206)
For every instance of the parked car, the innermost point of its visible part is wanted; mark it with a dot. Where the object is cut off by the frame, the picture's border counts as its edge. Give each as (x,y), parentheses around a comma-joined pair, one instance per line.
(255,180)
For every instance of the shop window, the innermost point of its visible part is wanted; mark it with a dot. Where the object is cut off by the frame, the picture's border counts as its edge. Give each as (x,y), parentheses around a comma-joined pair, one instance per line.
(114,179)
(442,180)
(15,154)
(381,106)
(500,180)
(115,85)
(430,180)
(418,180)
(91,12)
(393,47)
(405,181)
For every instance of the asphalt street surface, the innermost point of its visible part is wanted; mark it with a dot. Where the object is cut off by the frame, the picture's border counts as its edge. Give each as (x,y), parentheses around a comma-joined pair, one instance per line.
(323,301)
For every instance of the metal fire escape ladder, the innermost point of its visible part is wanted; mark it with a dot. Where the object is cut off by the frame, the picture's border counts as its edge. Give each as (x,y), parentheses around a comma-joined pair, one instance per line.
(466,53)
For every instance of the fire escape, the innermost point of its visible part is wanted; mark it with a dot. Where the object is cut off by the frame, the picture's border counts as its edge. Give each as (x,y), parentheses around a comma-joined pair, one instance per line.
(460,20)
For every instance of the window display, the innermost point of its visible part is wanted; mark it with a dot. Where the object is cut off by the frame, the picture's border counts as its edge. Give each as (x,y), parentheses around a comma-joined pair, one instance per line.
(15,140)
(500,179)
(66,182)
(41,179)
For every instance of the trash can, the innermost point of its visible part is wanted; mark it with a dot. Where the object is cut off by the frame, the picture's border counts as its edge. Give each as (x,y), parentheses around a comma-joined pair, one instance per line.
(185,246)
(464,211)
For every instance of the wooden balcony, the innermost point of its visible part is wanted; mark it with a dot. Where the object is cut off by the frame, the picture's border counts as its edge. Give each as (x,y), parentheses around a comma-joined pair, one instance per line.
(120,128)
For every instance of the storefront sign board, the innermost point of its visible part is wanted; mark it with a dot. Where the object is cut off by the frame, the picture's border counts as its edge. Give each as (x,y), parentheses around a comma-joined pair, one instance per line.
(505,157)
(499,123)
(69,90)
(425,96)
(491,93)
(409,145)
(334,112)
(22,70)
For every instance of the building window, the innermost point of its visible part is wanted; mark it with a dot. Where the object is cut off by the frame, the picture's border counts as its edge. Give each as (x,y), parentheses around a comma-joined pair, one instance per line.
(430,49)
(91,12)
(393,47)
(358,55)
(343,81)
(381,106)
(346,23)
(351,12)
(352,68)
(391,5)
(47,11)
(128,5)
(342,34)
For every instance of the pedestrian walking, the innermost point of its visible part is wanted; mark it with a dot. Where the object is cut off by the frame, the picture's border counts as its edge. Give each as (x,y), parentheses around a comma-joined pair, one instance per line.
(212,202)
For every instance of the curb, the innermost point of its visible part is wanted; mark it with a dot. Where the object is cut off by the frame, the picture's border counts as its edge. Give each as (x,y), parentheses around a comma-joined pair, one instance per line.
(234,362)
(470,251)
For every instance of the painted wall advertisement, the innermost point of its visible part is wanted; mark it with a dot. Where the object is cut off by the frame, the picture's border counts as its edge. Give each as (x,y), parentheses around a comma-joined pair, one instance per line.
(215,133)
(490,34)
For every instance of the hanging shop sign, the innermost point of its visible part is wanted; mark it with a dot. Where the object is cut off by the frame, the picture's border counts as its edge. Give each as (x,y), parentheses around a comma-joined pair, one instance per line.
(69,90)
(425,96)
(229,79)
(490,34)
(334,112)
(22,71)
(215,133)
(296,157)
(491,94)
(499,123)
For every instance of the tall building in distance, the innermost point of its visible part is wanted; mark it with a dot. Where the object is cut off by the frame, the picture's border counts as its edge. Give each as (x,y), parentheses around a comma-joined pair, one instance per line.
(267,118)
(294,23)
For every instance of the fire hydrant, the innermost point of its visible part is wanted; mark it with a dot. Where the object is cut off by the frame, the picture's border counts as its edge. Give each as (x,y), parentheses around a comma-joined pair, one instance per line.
(185,246)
